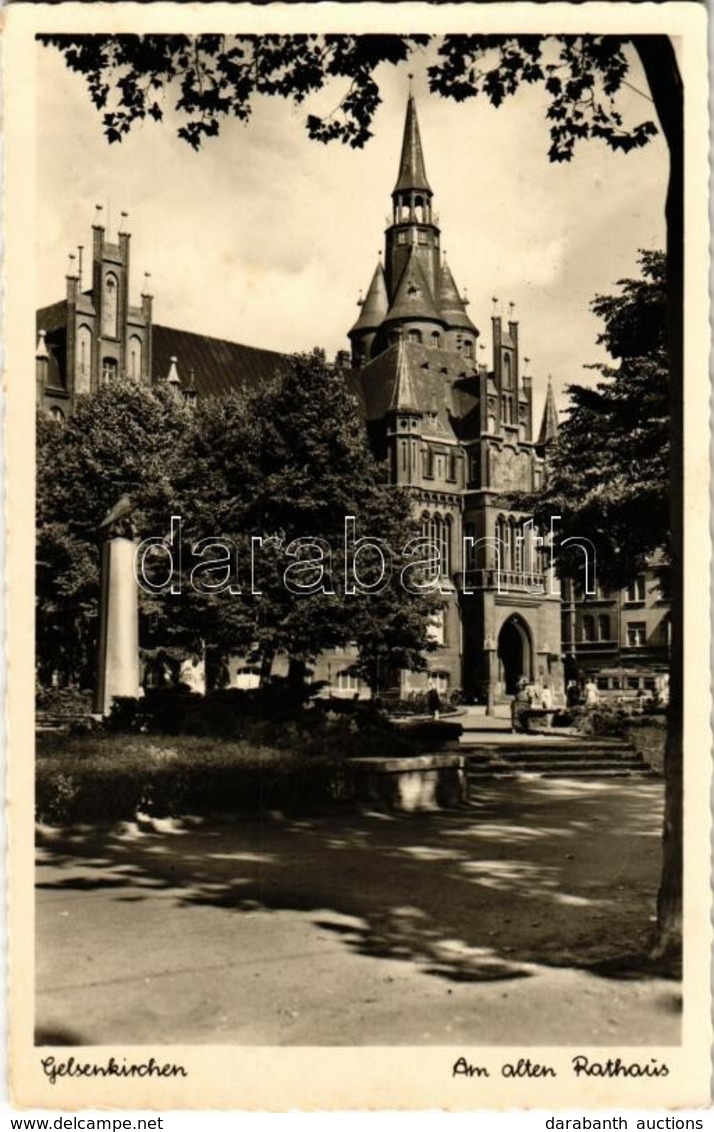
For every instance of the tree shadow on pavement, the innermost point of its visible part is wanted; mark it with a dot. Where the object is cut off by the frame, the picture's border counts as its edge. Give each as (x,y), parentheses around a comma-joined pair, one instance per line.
(529,872)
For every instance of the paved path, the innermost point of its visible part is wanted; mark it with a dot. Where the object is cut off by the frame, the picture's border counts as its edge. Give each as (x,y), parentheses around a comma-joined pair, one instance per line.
(360,929)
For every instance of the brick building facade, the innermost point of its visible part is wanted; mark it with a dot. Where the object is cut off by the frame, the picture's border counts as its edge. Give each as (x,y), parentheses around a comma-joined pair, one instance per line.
(456,431)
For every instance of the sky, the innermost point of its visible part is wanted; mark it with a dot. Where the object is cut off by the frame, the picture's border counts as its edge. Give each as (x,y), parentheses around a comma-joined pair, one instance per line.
(266,237)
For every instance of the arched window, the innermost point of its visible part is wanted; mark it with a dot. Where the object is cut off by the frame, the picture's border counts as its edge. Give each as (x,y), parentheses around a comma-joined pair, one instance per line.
(444,531)
(110,370)
(518,548)
(438,531)
(414,336)
(419,209)
(435,338)
(83,360)
(428,531)
(110,306)
(468,348)
(135,358)
(470,556)
(512,543)
(57,414)
(502,544)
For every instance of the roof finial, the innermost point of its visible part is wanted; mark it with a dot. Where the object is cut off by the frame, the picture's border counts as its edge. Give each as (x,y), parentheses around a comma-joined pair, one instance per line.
(124,217)
(80,249)
(98,221)
(71,270)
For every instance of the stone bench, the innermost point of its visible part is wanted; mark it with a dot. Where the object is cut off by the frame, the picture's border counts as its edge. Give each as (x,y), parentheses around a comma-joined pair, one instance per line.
(425,782)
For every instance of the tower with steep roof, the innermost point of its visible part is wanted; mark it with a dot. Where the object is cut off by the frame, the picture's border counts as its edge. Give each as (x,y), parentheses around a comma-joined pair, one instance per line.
(415,292)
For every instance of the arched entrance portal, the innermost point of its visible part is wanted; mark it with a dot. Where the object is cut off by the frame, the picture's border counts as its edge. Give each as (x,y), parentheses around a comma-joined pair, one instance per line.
(514,654)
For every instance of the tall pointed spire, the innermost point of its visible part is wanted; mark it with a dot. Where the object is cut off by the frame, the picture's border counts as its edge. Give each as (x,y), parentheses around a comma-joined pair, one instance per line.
(549,424)
(412,174)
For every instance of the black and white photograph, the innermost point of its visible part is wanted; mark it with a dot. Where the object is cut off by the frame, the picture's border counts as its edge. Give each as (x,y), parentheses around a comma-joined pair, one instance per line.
(361,700)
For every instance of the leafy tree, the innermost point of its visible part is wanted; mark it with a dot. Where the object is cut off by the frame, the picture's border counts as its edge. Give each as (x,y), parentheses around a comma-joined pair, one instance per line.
(281,468)
(121,440)
(608,470)
(588,73)
(211,77)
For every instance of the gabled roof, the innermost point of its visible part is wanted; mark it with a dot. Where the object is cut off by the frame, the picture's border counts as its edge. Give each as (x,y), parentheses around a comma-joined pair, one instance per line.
(549,424)
(413,297)
(374,305)
(53,317)
(451,306)
(218,366)
(412,174)
(441,384)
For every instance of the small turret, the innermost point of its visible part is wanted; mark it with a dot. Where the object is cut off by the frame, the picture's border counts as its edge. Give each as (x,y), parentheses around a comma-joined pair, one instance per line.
(406,418)
(42,366)
(373,308)
(172,377)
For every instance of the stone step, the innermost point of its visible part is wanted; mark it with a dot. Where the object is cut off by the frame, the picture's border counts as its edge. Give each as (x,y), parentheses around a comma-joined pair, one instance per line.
(597,759)
(566,764)
(554,753)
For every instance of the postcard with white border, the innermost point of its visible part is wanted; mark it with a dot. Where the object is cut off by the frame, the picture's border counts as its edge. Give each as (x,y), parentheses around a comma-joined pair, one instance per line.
(358,549)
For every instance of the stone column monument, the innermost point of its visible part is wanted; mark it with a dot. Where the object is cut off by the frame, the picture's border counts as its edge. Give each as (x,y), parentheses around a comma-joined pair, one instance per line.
(118,645)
